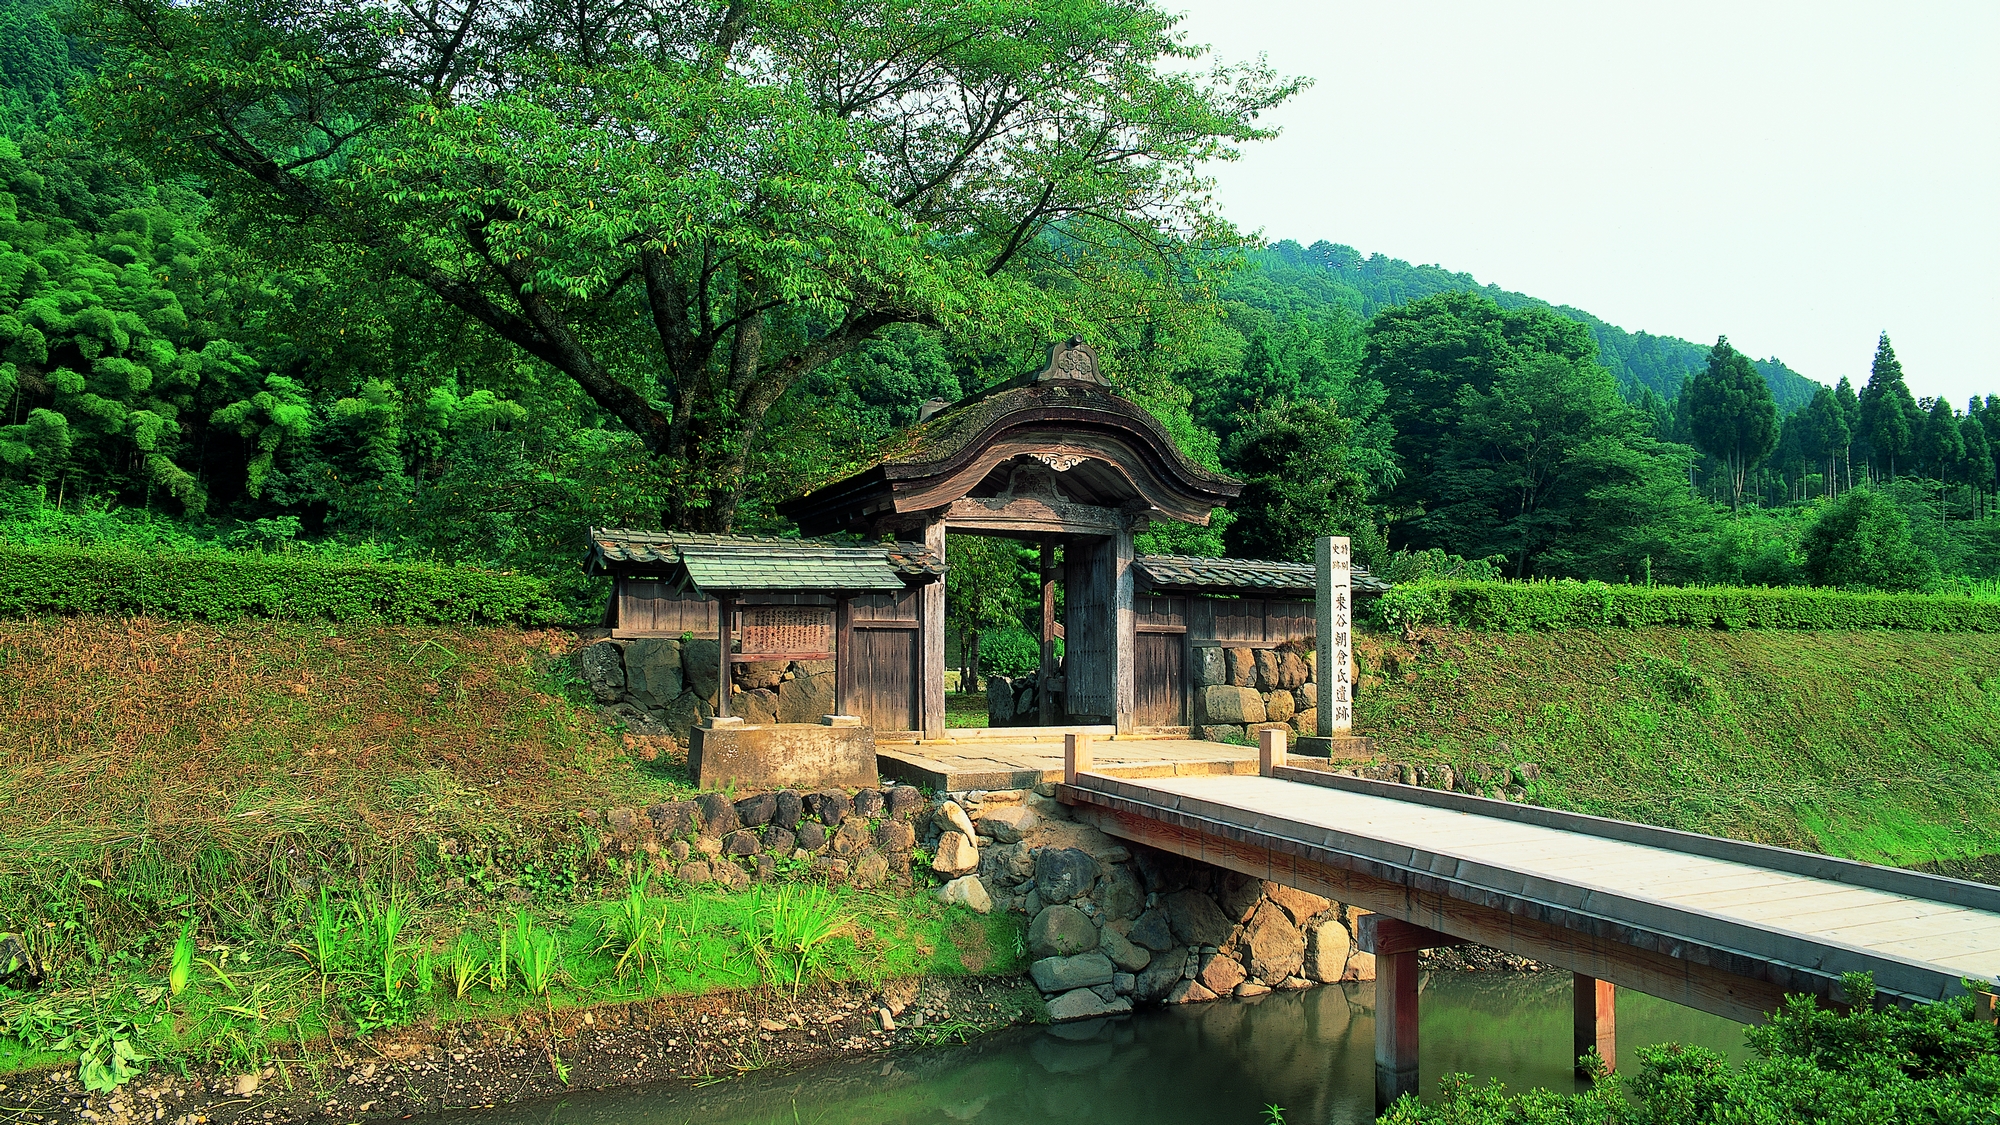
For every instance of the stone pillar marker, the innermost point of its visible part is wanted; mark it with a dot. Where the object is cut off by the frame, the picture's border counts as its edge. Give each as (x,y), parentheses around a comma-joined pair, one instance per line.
(1333,609)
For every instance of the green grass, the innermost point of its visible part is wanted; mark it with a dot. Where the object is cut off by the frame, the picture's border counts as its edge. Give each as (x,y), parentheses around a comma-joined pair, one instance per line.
(965,709)
(1882,746)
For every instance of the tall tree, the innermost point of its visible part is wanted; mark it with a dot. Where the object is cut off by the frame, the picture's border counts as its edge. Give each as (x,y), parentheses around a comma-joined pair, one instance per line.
(1976,467)
(1298,485)
(1850,413)
(686,206)
(1825,435)
(1889,414)
(1733,417)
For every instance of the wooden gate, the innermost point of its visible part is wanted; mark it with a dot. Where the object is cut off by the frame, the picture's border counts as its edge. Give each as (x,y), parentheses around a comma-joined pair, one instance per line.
(877,662)
(1090,625)
(1159,680)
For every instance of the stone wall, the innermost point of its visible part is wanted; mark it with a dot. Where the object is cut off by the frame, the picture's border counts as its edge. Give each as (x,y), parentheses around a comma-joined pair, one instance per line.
(1240,691)
(662,685)
(1111,925)
(1011,701)
(865,838)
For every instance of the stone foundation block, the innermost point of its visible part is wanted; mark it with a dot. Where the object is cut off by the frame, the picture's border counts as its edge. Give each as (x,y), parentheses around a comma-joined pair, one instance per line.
(782,755)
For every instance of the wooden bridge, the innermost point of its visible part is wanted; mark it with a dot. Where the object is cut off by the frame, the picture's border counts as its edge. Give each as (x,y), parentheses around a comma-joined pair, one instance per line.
(1718,925)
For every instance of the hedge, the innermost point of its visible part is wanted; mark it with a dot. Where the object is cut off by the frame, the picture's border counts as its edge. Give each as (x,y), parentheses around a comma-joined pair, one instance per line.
(1525,606)
(225,586)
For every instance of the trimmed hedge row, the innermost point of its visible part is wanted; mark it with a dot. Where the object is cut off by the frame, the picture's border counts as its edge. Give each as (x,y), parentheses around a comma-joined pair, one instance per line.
(1524,606)
(221,586)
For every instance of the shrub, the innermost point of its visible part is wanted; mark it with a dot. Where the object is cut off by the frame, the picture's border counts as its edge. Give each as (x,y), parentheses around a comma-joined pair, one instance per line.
(1009,651)
(1513,607)
(224,586)
(1862,539)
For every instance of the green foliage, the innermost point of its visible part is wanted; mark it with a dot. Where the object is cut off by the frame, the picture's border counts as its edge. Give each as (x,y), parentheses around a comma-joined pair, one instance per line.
(1298,483)
(222,586)
(1009,651)
(1933,1063)
(1563,604)
(1732,415)
(1888,413)
(1862,540)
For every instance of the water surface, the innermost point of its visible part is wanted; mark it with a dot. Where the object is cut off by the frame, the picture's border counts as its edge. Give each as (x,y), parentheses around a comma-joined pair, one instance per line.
(1211,1064)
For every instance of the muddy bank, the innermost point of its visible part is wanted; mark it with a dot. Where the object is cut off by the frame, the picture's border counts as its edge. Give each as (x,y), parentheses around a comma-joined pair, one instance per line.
(434,1068)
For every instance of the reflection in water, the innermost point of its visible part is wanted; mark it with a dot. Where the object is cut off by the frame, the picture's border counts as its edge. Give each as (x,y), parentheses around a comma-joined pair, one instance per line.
(1212,1064)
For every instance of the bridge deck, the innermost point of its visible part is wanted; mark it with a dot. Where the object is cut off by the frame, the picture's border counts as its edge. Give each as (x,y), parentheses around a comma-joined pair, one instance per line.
(1680,894)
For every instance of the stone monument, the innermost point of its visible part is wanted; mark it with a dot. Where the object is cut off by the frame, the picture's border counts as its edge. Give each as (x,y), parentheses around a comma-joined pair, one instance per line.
(1333,610)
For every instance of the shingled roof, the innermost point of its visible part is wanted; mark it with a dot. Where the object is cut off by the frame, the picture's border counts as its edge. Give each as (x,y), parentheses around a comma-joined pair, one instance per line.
(736,563)
(1189,574)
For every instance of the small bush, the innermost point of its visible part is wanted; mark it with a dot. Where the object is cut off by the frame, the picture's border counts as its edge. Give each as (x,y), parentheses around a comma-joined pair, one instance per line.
(225,586)
(1517,607)
(1009,651)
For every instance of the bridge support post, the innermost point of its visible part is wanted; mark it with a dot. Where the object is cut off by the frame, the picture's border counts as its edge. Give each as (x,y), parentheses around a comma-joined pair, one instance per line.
(1395,1027)
(1596,1021)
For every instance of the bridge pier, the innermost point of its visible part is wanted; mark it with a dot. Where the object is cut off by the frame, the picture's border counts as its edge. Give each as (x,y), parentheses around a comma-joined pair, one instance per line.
(1596,1021)
(1395,944)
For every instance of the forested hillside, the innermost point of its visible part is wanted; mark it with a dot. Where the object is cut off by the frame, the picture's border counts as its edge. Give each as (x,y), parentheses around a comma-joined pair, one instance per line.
(1291,277)
(222,327)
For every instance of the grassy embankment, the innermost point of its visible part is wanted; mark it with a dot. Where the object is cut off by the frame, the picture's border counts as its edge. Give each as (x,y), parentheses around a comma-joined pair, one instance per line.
(1877,745)
(351,823)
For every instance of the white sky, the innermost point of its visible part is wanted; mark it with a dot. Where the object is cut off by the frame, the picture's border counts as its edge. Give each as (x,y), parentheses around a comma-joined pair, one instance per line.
(1797,176)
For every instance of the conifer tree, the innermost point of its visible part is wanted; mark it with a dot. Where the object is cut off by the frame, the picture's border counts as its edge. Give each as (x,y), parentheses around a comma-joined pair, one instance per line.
(1889,414)
(1975,469)
(1850,413)
(1733,417)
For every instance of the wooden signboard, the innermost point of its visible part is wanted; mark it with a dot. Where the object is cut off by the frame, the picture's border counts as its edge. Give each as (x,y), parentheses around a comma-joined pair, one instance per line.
(785,632)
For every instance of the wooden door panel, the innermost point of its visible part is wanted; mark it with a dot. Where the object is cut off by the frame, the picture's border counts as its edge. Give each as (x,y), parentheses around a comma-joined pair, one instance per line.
(884,678)
(1160,680)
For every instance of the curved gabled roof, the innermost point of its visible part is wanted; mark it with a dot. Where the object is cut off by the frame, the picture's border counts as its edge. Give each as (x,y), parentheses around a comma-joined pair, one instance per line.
(1105,449)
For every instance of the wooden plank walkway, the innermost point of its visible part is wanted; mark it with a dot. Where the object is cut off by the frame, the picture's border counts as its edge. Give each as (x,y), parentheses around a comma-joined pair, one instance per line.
(1599,896)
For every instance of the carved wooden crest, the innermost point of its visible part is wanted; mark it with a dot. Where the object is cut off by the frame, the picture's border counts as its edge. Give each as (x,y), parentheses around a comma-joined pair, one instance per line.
(1074,360)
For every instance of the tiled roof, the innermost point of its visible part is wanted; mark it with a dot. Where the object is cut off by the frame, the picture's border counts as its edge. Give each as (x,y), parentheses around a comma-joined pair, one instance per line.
(727,563)
(1186,572)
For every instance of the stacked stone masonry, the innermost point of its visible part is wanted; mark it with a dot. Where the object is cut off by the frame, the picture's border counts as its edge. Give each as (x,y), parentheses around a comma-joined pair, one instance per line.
(1240,691)
(664,686)
(865,838)
(1113,925)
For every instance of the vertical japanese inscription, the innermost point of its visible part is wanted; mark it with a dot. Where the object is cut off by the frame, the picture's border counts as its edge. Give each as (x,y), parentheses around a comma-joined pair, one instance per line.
(1334,610)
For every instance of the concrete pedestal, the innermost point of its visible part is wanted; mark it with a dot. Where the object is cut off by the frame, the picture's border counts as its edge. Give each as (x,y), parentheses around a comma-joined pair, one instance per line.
(783,756)
(1347,747)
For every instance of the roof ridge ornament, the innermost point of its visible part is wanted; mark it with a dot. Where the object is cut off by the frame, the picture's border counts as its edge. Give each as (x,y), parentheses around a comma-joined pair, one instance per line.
(1072,360)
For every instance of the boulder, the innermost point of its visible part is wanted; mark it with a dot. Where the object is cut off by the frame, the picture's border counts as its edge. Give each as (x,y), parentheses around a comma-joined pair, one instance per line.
(1195,919)
(871,869)
(1306,695)
(1061,931)
(718,816)
(741,842)
(1189,992)
(868,803)
(1062,874)
(1126,956)
(851,837)
(1210,667)
(812,836)
(1276,948)
(1242,666)
(1301,905)
(1222,974)
(1007,863)
(1238,895)
(1120,894)
(1267,670)
(1278,706)
(1231,705)
(653,675)
(760,674)
(672,818)
(1007,824)
(955,855)
(1060,974)
(902,800)
(780,841)
(831,806)
(758,708)
(1292,671)
(1220,732)
(756,812)
(952,818)
(1083,1004)
(602,667)
(786,808)
(680,716)
(1327,947)
(1153,930)
(1360,966)
(895,836)
(999,701)
(698,666)
(1250,988)
(1306,721)
(1158,978)
(729,875)
(694,874)
(966,891)
(803,699)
